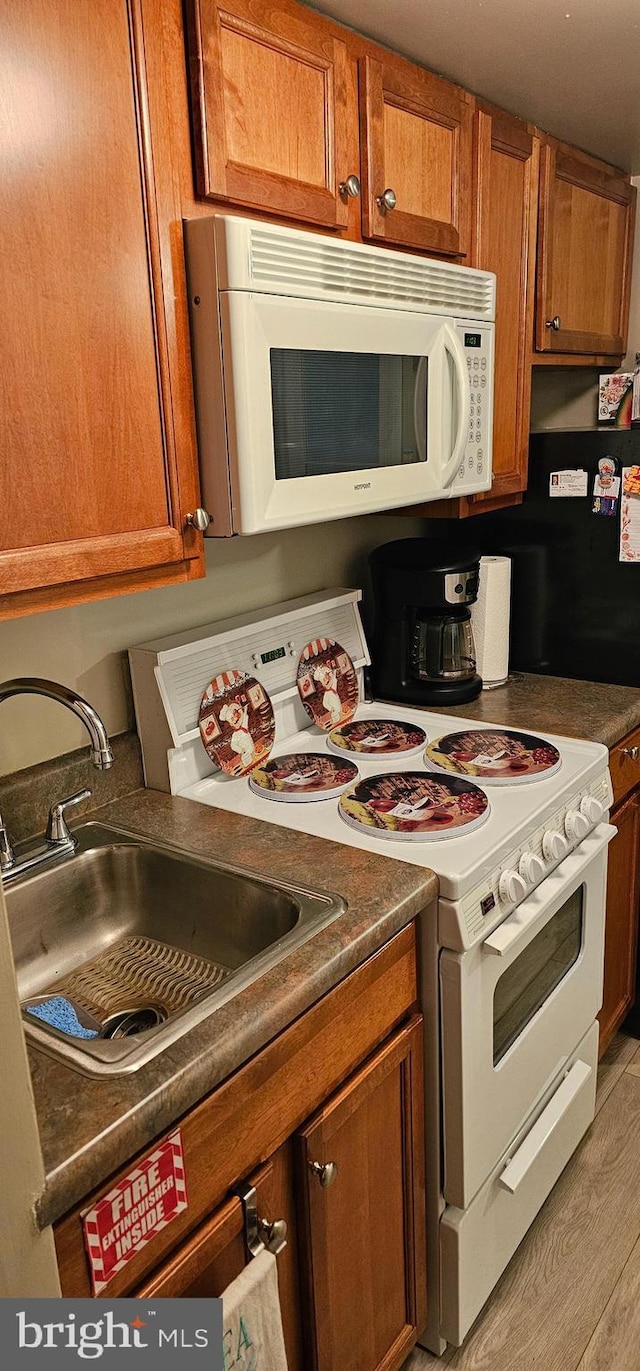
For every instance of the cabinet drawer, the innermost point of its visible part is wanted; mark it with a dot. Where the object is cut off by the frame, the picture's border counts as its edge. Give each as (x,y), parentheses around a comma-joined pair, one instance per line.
(624,764)
(247,1118)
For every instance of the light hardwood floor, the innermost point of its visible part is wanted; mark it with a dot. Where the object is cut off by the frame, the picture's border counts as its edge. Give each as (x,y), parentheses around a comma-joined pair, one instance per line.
(570,1298)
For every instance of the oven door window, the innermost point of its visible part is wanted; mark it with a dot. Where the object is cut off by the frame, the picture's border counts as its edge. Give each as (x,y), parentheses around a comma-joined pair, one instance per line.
(534,975)
(346,411)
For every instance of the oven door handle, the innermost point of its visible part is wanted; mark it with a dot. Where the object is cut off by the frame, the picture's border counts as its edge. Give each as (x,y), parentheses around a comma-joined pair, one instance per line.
(508,934)
(517,1169)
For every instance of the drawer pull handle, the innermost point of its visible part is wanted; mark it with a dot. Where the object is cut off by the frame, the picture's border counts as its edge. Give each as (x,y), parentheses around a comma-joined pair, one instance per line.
(632,752)
(326,1172)
(517,1169)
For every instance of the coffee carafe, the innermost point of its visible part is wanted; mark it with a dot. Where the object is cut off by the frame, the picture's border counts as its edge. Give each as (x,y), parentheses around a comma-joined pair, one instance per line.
(423,650)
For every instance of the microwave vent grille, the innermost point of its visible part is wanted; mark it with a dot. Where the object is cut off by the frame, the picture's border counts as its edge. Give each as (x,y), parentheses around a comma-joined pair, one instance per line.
(311,266)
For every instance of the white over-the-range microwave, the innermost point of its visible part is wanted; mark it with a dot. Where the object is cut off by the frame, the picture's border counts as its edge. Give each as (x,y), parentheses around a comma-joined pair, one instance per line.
(333,378)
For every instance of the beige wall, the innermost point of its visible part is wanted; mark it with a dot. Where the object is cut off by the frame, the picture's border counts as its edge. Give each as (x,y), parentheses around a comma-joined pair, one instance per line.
(86,646)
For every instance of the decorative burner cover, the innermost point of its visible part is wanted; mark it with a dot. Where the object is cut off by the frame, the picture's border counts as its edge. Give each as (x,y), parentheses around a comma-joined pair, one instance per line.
(496,755)
(414,805)
(327,683)
(236,722)
(377,738)
(301,776)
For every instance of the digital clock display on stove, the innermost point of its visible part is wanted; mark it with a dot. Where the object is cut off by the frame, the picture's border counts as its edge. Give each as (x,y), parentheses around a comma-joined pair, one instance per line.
(273,656)
(473,340)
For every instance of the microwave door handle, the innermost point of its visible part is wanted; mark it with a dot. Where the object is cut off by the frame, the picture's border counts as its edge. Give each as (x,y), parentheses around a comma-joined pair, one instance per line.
(420,409)
(453,347)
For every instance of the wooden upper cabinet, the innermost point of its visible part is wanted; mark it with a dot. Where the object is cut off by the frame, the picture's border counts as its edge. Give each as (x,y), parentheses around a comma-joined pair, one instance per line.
(506,163)
(416,138)
(98,463)
(269,86)
(363,1241)
(586,224)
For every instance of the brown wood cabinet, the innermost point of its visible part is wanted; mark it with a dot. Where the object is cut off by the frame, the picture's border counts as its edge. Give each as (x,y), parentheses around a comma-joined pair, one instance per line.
(343,1083)
(585,242)
(207,1263)
(98,449)
(364,1229)
(506,165)
(416,133)
(275,101)
(623,889)
(272,115)
(621,933)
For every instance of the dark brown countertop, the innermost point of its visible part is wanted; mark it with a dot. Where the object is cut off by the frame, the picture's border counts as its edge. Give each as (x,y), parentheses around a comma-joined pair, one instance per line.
(550,704)
(90,1127)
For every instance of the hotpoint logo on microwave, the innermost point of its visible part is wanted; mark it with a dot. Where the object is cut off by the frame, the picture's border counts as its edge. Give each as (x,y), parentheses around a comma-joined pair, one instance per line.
(363,485)
(170,1334)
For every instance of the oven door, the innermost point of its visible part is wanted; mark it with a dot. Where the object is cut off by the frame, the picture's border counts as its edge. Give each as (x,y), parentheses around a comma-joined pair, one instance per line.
(513,1009)
(337,409)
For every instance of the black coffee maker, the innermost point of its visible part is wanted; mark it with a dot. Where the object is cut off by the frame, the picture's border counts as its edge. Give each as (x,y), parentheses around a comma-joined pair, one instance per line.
(423,650)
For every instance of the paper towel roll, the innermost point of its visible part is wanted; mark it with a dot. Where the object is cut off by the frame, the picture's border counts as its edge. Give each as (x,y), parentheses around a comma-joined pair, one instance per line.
(490,620)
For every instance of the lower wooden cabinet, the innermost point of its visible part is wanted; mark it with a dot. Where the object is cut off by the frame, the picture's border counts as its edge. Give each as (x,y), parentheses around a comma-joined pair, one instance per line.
(350,1188)
(343,1084)
(207,1263)
(362,1180)
(621,936)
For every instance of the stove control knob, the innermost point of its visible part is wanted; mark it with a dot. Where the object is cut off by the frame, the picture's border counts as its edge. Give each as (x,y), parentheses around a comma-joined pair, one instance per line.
(554,845)
(531,868)
(512,887)
(592,809)
(576,825)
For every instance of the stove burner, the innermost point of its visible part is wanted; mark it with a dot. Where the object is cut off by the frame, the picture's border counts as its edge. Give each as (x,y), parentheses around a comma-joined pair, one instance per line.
(327,683)
(497,756)
(377,738)
(414,805)
(302,776)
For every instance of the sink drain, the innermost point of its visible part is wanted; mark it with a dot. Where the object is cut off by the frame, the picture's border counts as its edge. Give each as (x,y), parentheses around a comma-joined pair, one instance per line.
(127,1022)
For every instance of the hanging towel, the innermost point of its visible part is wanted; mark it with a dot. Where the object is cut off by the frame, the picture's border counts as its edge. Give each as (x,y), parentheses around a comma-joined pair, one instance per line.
(251,1319)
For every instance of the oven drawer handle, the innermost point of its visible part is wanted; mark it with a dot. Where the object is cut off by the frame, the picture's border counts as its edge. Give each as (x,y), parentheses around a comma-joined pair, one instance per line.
(517,1169)
(508,934)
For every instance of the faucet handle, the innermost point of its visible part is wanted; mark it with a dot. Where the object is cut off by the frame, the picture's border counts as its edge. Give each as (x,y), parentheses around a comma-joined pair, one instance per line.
(57,831)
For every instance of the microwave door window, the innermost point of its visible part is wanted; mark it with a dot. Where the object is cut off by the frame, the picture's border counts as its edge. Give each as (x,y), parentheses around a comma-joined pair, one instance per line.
(346,411)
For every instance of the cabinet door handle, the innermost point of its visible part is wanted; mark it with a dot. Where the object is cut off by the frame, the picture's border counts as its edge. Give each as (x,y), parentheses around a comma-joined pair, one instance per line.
(326,1172)
(198,519)
(350,189)
(632,752)
(388,200)
(555,323)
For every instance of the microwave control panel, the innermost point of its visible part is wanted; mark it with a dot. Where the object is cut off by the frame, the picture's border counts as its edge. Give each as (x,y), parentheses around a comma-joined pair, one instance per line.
(474,472)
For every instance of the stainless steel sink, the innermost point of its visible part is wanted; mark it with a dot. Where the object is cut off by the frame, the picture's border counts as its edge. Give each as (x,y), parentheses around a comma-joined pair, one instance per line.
(146,940)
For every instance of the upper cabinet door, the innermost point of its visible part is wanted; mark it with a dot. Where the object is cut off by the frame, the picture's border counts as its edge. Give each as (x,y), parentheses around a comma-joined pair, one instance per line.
(98,465)
(584,253)
(416,136)
(506,162)
(270,97)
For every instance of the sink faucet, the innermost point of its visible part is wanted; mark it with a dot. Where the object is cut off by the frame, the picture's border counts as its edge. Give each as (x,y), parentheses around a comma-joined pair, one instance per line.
(58,840)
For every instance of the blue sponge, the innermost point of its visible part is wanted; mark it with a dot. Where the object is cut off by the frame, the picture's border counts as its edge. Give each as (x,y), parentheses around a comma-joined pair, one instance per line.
(60,1013)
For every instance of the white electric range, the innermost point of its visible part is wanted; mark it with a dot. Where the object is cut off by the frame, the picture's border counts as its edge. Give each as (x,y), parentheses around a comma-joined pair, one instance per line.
(511,967)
